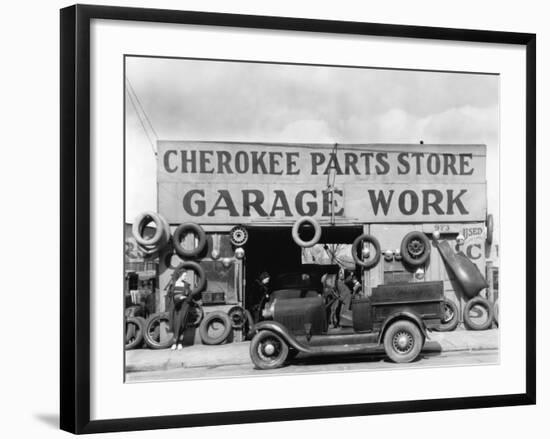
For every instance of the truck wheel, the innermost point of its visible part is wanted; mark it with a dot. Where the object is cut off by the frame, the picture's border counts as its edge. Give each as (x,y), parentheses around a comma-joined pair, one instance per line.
(268,350)
(152,332)
(450,316)
(181,231)
(134,332)
(403,341)
(495,312)
(415,249)
(215,328)
(478,314)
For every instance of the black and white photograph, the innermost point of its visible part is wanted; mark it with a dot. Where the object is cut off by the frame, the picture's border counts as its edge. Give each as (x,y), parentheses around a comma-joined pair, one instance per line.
(286,218)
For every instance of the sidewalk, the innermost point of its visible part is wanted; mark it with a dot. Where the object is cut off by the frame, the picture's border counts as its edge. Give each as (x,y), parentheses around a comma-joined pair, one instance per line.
(142,360)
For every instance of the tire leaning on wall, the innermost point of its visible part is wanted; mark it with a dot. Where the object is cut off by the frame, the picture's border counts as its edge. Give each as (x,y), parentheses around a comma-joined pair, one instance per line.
(215,317)
(495,312)
(469,322)
(151,333)
(450,320)
(134,332)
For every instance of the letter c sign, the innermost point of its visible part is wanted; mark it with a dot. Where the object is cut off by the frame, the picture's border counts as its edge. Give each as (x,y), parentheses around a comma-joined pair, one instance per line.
(470,251)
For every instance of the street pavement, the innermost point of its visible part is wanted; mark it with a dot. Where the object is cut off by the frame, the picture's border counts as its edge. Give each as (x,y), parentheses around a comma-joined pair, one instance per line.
(201,361)
(319,364)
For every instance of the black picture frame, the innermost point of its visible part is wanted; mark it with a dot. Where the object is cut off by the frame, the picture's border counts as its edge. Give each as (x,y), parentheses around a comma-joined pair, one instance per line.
(75,217)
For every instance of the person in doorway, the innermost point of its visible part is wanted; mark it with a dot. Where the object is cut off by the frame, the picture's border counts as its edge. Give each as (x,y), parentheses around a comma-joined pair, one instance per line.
(180,300)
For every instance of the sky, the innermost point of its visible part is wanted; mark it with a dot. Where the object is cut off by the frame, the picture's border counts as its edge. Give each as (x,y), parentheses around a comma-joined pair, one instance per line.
(255,102)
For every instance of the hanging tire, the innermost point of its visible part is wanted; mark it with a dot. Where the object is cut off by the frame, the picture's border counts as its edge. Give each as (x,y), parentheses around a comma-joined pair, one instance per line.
(138,228)
(489,224)
(403,341)
(215,328)
(296,232)
(268,350)
(199,271)
(152,331)
(180,232)
(357,247)
(450,319)
(134,333)
(472,322)
(495,312)
(415,249)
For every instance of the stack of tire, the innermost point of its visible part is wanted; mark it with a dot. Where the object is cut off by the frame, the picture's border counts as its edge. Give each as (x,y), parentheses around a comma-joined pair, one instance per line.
(151,246)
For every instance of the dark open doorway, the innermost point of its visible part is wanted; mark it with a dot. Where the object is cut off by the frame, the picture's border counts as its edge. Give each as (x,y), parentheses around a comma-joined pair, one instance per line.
(273,250)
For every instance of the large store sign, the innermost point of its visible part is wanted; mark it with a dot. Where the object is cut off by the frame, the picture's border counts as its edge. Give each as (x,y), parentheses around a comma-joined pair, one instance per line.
(218,182)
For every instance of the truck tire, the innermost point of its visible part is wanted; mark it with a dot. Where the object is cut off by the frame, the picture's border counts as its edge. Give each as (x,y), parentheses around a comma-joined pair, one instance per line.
(473,324)
(180,232)
(415,249)
(495,312)
(212,321)
(450,319)
(151,333)
(268,350)
(403,341)
(296,232)
(355,250)
(134,332)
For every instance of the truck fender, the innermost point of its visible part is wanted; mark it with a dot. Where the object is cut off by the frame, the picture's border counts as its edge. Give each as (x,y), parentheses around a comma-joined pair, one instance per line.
(281,331)
(404,315)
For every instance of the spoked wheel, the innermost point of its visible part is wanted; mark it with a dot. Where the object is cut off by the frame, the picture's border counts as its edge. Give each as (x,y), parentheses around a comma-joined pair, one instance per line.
(268,350)
(403,341)
(415,249)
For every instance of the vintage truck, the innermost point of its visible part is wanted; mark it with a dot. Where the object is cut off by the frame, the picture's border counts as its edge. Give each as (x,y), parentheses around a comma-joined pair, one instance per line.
(396,316)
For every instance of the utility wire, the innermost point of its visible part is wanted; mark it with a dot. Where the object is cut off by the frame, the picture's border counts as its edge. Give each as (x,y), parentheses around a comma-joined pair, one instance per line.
(141,121)
(141,107)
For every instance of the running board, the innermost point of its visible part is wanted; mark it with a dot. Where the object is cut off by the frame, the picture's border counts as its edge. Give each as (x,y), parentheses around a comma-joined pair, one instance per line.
(339,349)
